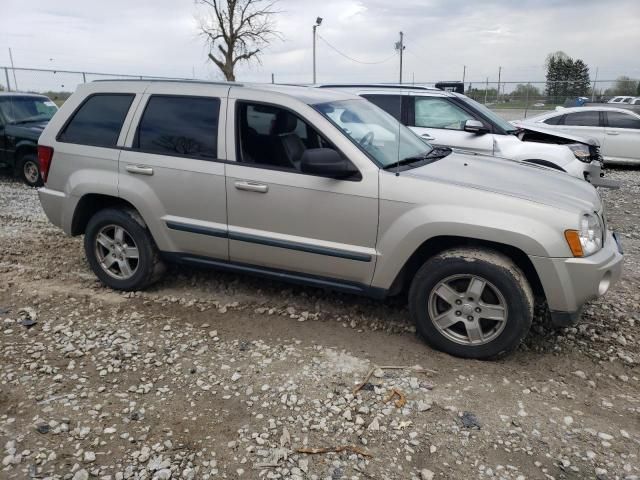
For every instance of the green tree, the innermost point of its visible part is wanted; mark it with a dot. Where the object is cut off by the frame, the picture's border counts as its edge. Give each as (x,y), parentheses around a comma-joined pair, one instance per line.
(580,81)
(638,90)
(566,77)
(522,92)
(624,86)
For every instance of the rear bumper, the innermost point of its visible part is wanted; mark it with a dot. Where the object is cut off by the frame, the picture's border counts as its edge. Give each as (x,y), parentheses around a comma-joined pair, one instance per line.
(570,282)
(54,204)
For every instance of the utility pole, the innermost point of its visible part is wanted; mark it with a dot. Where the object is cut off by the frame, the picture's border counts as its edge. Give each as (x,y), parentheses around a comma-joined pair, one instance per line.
(464,73)
(15,82)
(593,89)
(400,47)
(499,75)
(486,91)
(315,26)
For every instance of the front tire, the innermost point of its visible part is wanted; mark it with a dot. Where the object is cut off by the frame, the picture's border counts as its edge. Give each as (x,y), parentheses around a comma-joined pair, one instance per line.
(29,170)
(471,303)
(121,250)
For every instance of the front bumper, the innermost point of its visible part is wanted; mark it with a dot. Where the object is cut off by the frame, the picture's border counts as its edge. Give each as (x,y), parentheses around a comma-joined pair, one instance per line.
(570,282)
(593,174)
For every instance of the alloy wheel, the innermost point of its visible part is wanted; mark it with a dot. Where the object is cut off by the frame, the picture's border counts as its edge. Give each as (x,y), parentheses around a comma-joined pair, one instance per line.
(468,309)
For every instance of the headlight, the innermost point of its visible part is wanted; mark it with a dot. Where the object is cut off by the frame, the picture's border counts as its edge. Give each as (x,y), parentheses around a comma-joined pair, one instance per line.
(587,240)
(581,152)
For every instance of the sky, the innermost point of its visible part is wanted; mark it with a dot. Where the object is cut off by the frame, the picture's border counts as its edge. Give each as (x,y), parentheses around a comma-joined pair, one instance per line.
(160,37)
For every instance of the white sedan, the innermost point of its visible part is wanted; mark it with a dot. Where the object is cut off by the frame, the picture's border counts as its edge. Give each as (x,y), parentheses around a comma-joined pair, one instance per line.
(617,129)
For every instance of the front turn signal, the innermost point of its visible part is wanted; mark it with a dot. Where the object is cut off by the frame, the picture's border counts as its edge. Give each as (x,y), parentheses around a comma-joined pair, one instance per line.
(573,239)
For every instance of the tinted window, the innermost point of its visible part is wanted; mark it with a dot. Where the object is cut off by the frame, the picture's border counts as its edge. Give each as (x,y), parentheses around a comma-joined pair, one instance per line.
(583,119)
(439,113)
(554,120)
(98,121)
(180,126)
(392,104)
(622,120)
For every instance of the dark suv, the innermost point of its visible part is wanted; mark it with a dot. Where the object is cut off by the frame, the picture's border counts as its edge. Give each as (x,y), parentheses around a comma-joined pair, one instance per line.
(23,116)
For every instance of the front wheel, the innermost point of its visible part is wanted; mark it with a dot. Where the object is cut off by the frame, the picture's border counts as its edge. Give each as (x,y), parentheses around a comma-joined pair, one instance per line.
(121,251)
(471,303)
(29,170)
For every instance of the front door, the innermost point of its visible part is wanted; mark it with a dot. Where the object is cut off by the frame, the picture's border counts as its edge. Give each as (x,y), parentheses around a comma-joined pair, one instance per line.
(588,123)
(286,220)
(172,167)
(622,137)
(441,122)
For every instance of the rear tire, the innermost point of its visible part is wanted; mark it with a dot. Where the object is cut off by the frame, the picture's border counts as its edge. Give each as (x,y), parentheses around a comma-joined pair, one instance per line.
(29,170)
(489,306)
(121,250)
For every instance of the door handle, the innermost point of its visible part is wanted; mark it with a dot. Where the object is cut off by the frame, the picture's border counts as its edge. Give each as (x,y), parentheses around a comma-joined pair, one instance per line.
(252,187)
(613,133)
(139,169)
(426,136)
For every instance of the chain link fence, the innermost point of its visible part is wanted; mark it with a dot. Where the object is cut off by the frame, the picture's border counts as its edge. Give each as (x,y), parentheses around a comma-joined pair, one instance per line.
(57,84)
(528,98)
(511,99)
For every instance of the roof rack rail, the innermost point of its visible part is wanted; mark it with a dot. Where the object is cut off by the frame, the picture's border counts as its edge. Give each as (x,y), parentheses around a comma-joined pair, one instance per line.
(377,85)
(169,80)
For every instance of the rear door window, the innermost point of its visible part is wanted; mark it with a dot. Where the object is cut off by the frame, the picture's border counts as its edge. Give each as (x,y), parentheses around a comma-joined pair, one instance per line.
(622,120)
(180,126)
(98,121)
(583,119)
(392,104)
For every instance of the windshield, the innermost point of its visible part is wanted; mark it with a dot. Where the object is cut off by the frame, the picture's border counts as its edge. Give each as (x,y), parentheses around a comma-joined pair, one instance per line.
(380,135)
(494,117)
(27,109)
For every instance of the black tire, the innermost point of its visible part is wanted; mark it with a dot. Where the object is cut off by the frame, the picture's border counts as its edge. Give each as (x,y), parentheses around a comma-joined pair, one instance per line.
(29,161)
(500,273)
(149,266)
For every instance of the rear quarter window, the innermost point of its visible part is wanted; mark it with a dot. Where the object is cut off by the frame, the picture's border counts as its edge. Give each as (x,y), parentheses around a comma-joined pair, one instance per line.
(98,120)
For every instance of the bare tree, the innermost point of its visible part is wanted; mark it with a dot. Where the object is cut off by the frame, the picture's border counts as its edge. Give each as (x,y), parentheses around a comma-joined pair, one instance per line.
(237,31)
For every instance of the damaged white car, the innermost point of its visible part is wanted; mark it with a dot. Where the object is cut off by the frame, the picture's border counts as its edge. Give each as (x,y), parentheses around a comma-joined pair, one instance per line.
(454,120)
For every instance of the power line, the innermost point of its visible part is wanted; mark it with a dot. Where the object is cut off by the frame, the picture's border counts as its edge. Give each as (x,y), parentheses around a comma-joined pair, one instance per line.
(351,58)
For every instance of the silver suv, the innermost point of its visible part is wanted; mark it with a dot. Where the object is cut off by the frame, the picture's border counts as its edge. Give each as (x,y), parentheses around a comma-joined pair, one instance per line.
(322,188)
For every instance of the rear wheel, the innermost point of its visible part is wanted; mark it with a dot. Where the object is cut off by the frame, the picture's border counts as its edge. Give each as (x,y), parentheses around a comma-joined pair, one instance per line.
(121,251)
(471,303)
(29,170)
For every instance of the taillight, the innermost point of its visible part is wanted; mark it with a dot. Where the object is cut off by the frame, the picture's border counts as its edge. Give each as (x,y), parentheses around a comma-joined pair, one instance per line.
(45,154)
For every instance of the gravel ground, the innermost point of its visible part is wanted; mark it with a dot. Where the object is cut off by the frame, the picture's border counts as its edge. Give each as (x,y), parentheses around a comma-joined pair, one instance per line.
(211,375)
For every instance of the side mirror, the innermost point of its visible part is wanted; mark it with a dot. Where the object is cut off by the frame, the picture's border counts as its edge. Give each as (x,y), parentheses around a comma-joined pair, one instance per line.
(326,162)
(475,126)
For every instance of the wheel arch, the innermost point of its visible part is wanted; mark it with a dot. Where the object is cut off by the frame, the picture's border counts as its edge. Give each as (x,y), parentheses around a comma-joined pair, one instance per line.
(438,244)
(91,203)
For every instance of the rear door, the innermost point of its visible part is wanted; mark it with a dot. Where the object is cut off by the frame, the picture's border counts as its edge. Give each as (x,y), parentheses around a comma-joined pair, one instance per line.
(440,121)
(171,167)
(622,137)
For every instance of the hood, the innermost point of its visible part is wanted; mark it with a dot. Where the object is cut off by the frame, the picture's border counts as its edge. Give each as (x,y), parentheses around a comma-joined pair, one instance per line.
(30,131)
(513,178)
(555,134)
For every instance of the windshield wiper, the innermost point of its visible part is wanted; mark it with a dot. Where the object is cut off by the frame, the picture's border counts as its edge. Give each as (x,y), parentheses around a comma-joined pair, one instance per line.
(429,156)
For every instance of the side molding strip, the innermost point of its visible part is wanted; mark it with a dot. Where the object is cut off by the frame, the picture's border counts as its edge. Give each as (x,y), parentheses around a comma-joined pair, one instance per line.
(243,237)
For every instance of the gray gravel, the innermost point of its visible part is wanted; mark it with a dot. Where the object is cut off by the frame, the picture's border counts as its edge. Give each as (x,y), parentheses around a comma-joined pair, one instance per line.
(211,375)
